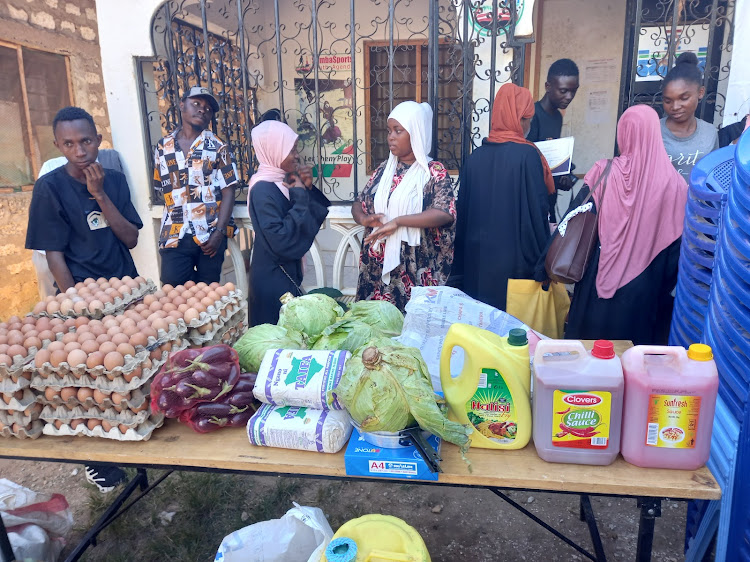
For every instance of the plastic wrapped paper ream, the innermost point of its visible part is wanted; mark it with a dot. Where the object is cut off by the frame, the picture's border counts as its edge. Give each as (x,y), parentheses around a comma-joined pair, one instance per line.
(300,378)
(306,429)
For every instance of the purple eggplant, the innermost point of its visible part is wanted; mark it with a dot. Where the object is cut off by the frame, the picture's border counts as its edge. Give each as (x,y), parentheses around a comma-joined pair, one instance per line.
(241,398)
(240,419)
(204,379)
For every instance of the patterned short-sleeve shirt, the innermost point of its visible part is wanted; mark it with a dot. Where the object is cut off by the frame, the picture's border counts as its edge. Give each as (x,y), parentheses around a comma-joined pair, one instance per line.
(192,184)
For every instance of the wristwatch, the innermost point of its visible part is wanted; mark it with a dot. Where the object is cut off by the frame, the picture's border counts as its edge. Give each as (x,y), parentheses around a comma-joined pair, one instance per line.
(224,231)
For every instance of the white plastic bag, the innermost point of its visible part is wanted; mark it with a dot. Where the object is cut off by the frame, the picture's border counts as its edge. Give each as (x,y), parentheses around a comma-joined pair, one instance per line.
(431,311)
(37,523)
(301,535)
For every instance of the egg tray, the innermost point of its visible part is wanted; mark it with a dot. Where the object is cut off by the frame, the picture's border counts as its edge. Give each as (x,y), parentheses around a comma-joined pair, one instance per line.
(20,363)
(29,398)
(137,398)
(119,305)
(218,339)
(32,431)
(18,416)
(233,298)
(126,417)
(236,316)
(65,371)
(141,432)
(102,382)
(14,383)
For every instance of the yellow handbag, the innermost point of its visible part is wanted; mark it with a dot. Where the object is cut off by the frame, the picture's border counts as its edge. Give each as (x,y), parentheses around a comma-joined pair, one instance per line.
(542,306)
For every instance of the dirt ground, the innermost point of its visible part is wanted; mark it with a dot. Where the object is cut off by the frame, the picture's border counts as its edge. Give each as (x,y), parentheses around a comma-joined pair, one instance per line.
(456,523)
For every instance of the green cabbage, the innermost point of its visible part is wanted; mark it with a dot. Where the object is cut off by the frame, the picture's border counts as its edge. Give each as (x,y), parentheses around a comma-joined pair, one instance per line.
(252,346)
(345,334)
(387,386)
(380,314)
(309,314)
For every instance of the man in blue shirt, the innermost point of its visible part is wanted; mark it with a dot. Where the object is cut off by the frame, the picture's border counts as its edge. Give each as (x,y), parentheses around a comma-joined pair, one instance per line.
(82,217)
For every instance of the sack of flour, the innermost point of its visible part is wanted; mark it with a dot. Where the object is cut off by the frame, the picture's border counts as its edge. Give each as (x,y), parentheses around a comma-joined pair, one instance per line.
(302,378)
(306,429)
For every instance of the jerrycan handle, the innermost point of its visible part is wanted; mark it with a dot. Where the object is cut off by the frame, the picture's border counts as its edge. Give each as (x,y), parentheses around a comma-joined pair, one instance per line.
(558,346)
(463,336)
(637,354)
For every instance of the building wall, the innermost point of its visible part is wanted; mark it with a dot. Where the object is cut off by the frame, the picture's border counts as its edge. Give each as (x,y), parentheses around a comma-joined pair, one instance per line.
(67,28)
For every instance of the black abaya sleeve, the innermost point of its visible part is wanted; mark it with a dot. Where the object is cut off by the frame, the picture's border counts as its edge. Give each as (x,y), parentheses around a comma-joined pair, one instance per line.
(288,232)
(535,224)
(456,278)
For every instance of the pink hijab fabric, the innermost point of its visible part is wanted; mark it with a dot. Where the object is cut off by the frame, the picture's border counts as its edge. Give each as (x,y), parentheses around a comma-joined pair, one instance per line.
(644,203)
(272,142)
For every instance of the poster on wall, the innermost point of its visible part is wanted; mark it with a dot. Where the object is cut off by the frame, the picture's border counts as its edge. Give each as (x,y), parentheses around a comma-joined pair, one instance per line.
(651,65)
(335,107)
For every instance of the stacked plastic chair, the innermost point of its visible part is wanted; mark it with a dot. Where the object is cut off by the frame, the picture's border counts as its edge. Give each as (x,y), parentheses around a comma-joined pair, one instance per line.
(727,331)
(707,194)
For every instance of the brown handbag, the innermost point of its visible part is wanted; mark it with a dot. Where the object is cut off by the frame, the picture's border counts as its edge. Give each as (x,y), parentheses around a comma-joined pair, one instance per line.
(574,239)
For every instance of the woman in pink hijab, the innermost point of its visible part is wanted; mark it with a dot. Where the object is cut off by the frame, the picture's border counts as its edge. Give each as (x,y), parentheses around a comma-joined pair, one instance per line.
(626,291)
(287,211)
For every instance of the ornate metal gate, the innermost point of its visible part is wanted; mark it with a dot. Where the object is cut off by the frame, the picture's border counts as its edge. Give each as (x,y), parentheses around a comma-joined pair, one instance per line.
(333,69)
(659,31)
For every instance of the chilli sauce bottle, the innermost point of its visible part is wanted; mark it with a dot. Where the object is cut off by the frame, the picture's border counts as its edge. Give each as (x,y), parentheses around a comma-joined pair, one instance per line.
(670,397)
(577,403)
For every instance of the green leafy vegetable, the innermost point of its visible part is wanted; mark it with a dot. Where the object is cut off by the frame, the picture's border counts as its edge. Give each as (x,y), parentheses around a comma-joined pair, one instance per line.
(379,314)
(345,334)
(252,346)
(309,314)
(385,385)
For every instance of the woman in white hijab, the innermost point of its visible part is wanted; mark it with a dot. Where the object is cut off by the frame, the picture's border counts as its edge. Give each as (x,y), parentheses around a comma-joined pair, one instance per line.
(408,211)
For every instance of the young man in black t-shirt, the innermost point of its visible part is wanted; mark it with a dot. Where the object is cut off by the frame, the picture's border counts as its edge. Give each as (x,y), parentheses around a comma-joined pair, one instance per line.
(82,217)
(560,89)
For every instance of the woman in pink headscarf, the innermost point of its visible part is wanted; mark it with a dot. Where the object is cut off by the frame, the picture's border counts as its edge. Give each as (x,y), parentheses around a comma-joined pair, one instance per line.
(287,211)
(626,291)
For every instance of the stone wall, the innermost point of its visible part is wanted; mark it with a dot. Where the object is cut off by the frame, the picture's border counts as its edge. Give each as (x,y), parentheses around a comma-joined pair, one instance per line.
(67,28)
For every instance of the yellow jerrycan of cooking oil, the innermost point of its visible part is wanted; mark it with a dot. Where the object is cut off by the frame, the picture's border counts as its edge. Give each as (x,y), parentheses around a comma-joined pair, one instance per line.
(492,391)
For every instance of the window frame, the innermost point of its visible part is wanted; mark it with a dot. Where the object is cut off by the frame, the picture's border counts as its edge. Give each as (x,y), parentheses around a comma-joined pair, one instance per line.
(418,43)
(28,135)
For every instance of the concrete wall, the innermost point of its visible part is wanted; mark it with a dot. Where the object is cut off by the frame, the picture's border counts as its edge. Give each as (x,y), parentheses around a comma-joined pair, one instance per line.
(592,34)
(67,28)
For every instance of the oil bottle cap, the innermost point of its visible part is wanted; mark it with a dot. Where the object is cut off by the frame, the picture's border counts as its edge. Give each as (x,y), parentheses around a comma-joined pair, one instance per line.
(700,352)
(603,349)
(517,337)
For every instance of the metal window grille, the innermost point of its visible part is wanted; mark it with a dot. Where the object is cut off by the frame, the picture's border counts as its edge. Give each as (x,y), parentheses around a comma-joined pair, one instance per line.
(306,58)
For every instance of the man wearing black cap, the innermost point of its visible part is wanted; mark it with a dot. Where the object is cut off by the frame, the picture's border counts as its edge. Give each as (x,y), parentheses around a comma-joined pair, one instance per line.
(195,172)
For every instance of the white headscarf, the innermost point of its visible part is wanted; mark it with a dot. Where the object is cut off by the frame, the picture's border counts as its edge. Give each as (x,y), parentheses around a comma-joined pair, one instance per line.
(406,199)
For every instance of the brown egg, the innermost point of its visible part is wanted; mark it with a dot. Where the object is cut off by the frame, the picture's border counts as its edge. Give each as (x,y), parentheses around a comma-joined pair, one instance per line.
(207,327)
(69,337)
(118,397)
(200,295)
(80,306)
(74,345)
(119,338)
(98,330)
(191,315)
(140,307)
(17,349)
(166,346)
(32,342)
(126,349)
(106,426)
(75,423)
(180,300)
(15,337)
(41,357)
(154,306)
(102,339)
(169,307)
(189,284)
(77,357)
(92,423)
(47,335)
(114,330)
(26,327)
(138,340)
(56,346)
(214,296)
(39,308)
(159,294)
(16,428)
(96,305)
(58,423)
(148,300)
(143,325)
(66,307)
(84,393)
(95,359)
(107,347)
(112,360)
(140,408)
(160,324)
(69,323)
(53,307)
(85,336)
(155,354)
(99,396)
(149,332)
(122,428)
(90,346)
(68,392)
(229,286)
(129,321)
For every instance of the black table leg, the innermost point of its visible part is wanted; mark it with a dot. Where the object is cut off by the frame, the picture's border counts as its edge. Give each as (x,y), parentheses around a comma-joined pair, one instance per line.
(650,510)
(5,549)
(587,514)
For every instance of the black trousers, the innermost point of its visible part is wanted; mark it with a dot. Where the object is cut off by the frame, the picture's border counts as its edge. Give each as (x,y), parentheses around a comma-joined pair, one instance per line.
(187,262)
